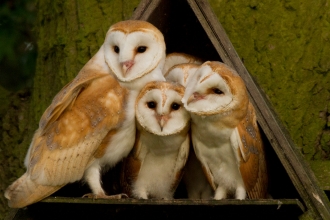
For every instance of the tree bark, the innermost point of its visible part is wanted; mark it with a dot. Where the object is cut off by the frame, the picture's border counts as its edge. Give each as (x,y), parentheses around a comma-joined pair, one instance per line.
(69,34)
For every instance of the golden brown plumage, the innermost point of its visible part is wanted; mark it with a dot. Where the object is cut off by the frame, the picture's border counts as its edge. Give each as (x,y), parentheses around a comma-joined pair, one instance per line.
(176,58)
(90,123)
(225,133)
(69,136)
(252,164)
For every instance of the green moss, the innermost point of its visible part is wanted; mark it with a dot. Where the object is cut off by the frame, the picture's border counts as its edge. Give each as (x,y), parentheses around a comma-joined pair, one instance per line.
(4,100)
(70,33)
(322,172)
(13,130)
(288,55)
(307,216)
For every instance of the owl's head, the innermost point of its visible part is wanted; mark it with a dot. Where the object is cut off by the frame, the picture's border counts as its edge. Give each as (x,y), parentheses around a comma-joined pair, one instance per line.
(159,109)
(214,89)
(181,73)
(133,49)
(176,58)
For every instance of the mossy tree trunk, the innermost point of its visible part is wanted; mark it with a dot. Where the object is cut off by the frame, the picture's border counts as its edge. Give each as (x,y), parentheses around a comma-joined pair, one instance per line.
(285,45)
(69,33)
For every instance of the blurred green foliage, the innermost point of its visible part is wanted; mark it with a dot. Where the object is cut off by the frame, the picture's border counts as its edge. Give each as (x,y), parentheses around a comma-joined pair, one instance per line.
(17,43)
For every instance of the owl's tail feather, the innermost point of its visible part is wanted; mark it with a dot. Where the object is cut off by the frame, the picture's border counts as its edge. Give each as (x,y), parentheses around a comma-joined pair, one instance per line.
(24,192)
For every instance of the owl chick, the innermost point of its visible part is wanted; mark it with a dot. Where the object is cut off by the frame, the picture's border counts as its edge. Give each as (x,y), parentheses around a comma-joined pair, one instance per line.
(196,184)
(181,73)
(154,167)
(225,133)
(90,124)
(176,58)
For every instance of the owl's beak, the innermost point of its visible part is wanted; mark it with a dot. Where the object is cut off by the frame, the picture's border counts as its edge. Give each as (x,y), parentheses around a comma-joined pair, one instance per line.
(127,66)
(195,97)
(162,120)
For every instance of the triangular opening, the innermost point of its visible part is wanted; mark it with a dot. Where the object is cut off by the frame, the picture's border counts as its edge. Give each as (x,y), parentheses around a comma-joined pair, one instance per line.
(184,33)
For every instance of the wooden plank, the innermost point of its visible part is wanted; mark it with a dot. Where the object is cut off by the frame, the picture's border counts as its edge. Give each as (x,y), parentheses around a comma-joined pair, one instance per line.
(84,208)
(189,202)
(145,9)
(300,174)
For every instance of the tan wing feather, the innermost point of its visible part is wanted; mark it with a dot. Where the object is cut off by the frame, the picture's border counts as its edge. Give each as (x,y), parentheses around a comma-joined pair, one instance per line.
(131,167)
(251,150)
(25,191)
(181,162)
(67,145)
(70,135)
(66,97)
(205,167)
(208,175)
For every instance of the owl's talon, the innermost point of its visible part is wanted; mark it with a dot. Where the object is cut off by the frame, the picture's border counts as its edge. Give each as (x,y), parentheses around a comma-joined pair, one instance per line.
(95,196)
(123,196)
(89,195)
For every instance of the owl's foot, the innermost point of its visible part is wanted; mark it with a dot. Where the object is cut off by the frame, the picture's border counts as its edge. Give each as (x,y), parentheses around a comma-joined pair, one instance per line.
(103,196)
(220,193)
(240,193)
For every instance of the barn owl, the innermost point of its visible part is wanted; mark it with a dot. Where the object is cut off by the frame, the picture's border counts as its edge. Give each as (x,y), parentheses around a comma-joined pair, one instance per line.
(225,133)
(180,73)
(154,167)
(176,58)
(90,124)
(196,184)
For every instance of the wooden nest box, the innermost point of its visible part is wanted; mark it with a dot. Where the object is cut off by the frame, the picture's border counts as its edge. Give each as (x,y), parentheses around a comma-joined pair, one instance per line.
(190,26)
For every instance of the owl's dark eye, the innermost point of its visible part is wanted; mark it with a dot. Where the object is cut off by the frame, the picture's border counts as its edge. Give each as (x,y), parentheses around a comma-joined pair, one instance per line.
(141,49)
(175,106)
(217,91)
(151,104)
(116,49)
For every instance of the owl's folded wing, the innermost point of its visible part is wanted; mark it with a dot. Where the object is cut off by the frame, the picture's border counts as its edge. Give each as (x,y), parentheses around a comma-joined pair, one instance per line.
(181,162)
(131,166)
(73,127)
(252,156)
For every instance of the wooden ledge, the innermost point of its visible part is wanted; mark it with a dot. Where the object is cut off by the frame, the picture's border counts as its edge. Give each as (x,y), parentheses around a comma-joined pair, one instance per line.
(187,202)
(85,208)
